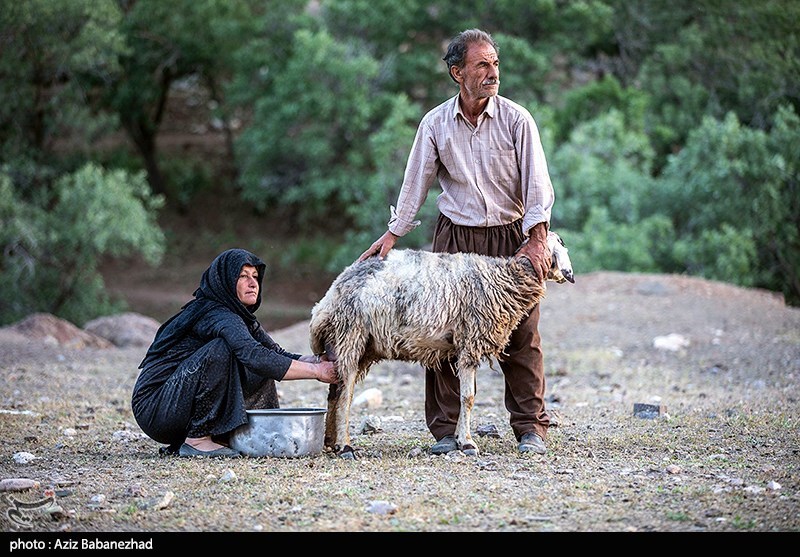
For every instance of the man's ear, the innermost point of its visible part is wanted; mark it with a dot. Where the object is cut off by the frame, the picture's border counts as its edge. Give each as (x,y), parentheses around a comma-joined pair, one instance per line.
(455,73)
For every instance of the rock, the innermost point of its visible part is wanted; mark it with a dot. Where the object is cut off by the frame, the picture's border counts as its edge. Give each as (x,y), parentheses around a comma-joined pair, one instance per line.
(648,411)
(228,476)
(124,330)
(18,484)
(165,501)
(672,342)
(373,398)
(381,507)
(370,424)
(24,457)
(52,330)
(489,430)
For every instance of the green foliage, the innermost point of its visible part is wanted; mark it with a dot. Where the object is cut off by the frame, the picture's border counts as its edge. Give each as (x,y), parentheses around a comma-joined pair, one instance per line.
(731,194)
(729,57)
(604,164)
(605,244)
(185,179)
(595,99)
(44,45)
(671,126)
(324,150)
(53,240)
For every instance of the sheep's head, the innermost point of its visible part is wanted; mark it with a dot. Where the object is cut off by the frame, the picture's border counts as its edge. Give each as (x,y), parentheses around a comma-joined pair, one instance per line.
(560,266)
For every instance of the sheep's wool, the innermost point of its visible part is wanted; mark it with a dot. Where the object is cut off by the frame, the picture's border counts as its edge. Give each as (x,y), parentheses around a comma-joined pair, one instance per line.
(418,306)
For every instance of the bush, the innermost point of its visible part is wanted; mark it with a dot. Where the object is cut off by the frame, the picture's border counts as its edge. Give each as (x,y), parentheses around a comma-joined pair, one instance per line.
(54,235)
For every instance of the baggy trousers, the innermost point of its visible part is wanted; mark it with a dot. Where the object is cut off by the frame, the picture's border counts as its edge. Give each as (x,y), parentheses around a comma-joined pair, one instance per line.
(523,367)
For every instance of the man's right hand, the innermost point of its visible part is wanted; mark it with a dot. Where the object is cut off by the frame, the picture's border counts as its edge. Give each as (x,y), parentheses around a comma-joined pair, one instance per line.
(380,247)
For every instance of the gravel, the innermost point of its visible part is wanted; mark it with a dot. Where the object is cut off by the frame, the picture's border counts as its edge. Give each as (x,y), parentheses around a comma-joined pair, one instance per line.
(718,450)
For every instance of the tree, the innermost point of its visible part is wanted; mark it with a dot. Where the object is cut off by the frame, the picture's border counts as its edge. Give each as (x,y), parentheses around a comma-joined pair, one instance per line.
(52,241)
(166,42)
(44,45)
(732,196)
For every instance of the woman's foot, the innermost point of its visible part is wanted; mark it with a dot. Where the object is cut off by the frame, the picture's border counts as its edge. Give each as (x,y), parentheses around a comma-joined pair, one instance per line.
(205,446)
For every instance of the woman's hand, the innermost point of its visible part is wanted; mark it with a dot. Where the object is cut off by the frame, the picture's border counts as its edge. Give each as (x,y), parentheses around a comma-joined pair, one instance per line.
(326,372)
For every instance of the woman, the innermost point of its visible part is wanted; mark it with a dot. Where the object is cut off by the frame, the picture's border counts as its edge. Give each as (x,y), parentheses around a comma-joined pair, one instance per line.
(213,360)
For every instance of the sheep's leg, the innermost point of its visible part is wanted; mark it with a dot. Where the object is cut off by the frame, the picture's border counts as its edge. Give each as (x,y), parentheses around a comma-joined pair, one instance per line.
(466,377)
(348,374)
(330,417)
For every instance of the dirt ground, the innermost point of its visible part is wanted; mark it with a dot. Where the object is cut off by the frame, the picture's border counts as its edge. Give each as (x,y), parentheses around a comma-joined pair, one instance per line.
(721,362)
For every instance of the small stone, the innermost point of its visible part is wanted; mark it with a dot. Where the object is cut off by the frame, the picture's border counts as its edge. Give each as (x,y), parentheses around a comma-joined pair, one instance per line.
(18,484)
(24,457)
(165,501)
(381,507)
(228,476)
(373,398)
(648,411)
(489,430)
(672,342)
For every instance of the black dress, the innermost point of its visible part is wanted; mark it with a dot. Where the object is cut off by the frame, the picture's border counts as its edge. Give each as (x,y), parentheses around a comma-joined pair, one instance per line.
(210,362)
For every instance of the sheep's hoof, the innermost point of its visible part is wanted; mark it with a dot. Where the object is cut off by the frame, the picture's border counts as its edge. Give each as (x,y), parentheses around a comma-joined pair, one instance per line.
(469,449)
(348,453)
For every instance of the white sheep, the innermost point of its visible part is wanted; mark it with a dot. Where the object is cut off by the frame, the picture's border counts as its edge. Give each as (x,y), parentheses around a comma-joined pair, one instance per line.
(424,307)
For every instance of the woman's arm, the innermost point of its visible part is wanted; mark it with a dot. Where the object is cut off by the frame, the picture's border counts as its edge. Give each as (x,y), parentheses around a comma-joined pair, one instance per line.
(312,367)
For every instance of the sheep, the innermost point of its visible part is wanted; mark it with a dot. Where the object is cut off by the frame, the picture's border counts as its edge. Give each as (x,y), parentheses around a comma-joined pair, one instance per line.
(423,307)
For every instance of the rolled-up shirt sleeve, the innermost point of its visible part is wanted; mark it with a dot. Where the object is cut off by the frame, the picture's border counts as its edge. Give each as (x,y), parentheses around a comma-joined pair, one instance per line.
(420,173)
(537,190)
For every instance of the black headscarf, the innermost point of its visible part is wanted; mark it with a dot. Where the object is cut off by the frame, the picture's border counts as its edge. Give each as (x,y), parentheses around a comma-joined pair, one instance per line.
(217,288)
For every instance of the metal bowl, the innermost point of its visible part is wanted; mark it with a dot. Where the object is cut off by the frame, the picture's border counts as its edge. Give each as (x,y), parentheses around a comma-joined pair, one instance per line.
(281,432)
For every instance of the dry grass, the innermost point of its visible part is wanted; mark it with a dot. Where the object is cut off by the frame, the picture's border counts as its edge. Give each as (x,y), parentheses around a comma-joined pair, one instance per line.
(725,459)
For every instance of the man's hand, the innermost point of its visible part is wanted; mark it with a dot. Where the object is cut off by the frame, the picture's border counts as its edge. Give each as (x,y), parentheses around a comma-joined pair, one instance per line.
(536,251)
(381,246)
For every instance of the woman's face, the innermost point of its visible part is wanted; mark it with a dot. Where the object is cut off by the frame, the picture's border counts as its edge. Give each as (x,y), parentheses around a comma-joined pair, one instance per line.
(247,285)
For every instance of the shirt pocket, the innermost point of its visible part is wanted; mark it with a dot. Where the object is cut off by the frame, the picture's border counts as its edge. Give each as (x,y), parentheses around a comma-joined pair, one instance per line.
(504,168)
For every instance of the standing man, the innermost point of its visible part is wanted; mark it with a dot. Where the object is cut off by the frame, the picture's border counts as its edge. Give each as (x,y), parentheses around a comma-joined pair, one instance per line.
(486,152)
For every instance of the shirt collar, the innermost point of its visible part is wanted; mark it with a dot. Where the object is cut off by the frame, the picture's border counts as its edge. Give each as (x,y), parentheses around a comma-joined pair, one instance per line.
(491,107)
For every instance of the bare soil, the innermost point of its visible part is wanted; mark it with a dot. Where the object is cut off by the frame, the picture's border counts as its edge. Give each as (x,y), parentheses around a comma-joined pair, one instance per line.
(723,456)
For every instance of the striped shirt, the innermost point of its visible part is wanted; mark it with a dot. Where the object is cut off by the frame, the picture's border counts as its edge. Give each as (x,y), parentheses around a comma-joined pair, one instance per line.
(492,174)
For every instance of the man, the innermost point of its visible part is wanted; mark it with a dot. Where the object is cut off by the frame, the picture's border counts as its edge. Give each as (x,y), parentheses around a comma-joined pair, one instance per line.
(486,152)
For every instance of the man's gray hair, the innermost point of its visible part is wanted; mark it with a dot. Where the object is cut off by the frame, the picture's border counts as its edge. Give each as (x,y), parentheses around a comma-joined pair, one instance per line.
(457,49)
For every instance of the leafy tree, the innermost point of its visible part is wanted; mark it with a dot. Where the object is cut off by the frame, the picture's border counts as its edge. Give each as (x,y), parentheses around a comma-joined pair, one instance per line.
(604,164)
(308,145)
(731,194)
(52,239)
(724,57)
(784,205)
(167,42)
(587,102)
(44,45)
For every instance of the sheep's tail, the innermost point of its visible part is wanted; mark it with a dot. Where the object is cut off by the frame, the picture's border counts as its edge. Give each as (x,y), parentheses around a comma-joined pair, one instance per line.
(318,328)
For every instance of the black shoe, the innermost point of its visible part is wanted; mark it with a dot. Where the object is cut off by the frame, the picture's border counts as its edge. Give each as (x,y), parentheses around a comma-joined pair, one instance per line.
(188,450)
(445,445)
(170,450)
(532,443)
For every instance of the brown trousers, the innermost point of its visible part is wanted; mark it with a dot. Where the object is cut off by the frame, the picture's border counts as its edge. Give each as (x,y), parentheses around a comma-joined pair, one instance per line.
(523,367)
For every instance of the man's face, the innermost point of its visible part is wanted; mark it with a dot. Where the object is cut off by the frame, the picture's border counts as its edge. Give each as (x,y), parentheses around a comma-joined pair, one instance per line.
(480,76)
